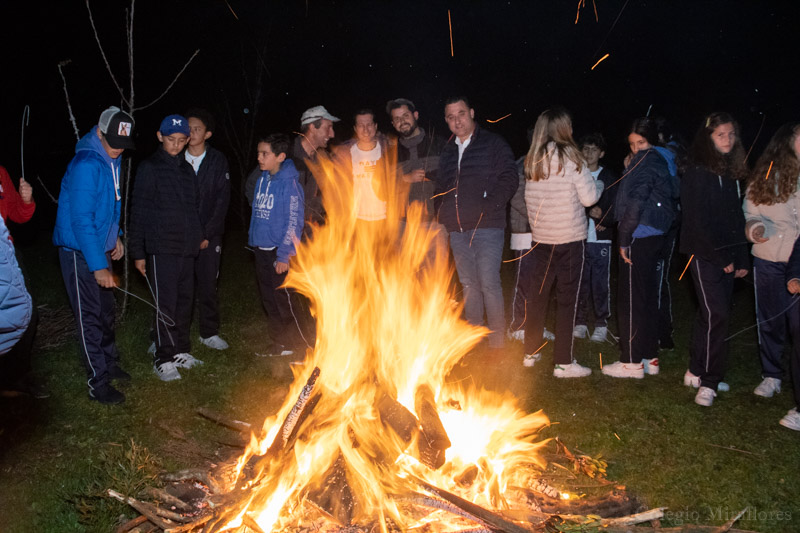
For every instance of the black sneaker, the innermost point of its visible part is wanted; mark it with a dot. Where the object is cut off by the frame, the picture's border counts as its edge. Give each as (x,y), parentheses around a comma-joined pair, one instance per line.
(107,394)
(116,372)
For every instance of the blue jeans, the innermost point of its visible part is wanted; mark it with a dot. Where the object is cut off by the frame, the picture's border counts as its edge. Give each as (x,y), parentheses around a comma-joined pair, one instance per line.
(478,255)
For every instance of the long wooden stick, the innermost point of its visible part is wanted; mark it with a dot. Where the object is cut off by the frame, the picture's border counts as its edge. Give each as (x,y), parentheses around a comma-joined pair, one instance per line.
(236,425)
(143,507)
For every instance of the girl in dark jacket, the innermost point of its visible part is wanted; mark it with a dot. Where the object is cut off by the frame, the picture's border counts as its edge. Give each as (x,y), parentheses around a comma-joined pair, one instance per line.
(713,235)
(644,207)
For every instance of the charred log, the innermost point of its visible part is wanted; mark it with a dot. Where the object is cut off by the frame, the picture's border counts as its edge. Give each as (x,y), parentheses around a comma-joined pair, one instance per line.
(432,441)
(397,417)
(333,496)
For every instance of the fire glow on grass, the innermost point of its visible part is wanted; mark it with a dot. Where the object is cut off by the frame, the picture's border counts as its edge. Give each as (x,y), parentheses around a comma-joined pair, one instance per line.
(386,326)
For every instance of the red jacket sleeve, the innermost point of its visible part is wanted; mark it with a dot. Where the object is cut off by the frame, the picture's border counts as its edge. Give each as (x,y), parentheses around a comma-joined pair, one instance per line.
(11,205)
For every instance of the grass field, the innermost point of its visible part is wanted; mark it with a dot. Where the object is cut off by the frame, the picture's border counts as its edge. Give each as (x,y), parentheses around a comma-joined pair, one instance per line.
(58,455)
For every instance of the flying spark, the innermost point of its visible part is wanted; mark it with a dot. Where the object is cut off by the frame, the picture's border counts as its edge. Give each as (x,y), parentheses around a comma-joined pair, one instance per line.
(497,119)
(450,23)
(686,267)
(768,170)
(599,60)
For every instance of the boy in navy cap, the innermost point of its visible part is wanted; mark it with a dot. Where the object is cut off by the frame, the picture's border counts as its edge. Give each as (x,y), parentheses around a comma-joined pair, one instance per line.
(164,239)
(87,236)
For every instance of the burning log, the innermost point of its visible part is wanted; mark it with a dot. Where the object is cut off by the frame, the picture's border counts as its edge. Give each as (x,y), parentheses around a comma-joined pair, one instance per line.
(334,496)
(484,516)
(397,417)
(433,440)
(296,415)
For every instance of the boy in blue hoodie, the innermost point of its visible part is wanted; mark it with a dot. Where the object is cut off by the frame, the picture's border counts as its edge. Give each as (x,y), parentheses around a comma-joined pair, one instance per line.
(276,225)
(87,236)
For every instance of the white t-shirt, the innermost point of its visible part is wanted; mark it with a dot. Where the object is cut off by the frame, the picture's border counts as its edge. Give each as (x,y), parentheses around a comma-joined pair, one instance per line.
(368,205)
(195,161)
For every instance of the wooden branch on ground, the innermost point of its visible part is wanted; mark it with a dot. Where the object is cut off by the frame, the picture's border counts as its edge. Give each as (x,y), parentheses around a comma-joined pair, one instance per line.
(490,518)
(130,524)
(729,524)
(168,498)
(638,518)
(236,425)
(148,510)
(194,473)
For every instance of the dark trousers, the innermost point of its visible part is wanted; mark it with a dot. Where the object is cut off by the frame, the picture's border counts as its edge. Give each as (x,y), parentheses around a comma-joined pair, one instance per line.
(595,290)
(93,307)
(664,290)
(561,264)
(524,265)
(776,312)
(206,271)
(708,351)
(172,282)
(15,365)
(637,301)
(277,301)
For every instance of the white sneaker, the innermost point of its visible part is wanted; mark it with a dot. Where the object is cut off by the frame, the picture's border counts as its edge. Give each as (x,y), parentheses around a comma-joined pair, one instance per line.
(572,370)
(651,366)
(705,396)
(531,359)
(518,335)
(152,349)
(600,334)
(690,380)
(186,360)
(214,341)
(167,371)
(791,420)
(548,335)
(768,388)
(624,370)
(580,332)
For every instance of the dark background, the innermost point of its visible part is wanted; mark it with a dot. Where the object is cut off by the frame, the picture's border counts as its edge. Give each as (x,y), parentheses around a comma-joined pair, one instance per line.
(261,63)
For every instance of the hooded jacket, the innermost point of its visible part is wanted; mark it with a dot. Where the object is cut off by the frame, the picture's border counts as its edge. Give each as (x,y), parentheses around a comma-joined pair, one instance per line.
(277,217)
(647,196)
(87,220)
(15,302)
(475,194)
(164,216)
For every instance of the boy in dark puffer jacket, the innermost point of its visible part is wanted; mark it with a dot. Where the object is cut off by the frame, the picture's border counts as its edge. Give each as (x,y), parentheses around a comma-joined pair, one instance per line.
(164,239)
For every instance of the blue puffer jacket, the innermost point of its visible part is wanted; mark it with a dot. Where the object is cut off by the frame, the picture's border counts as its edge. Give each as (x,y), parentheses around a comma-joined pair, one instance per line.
(647,196)
(15,302)
(277,219)
(89,203)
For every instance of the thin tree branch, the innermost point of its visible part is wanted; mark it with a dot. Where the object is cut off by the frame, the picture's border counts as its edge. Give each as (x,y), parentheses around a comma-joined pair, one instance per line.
(103,53)
(66,95)
(178,75)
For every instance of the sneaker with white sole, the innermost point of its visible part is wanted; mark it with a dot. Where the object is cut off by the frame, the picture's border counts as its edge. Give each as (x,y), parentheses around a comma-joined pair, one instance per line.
(791,420)
(152,349)
(548,335)
(167,371)
(186,360)
(518,335)
(531,359)
(580,332)
(705,396)
(600,334)
(624,370)
(690,380)
(768,388)
(572,370)
(651,366)
(215,342)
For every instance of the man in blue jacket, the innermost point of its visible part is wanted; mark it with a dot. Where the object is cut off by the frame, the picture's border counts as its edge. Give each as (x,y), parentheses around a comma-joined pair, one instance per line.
(477,178)
(87,236)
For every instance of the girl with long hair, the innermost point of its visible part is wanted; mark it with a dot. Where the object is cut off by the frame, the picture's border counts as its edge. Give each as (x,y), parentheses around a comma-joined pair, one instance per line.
(712,234)
(559,188)
(645,210)
(772,224)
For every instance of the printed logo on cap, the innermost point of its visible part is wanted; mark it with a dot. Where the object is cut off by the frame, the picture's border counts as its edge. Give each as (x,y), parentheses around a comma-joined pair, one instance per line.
(124,129)
(176,122)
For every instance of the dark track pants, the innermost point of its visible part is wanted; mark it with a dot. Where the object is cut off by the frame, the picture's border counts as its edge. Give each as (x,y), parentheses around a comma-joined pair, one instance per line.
(708,351)
(93,307)
(561,264)
(206,271)
(664,290)
(595,290)
(277,301)
(524,265)
(172,281)
(637,301)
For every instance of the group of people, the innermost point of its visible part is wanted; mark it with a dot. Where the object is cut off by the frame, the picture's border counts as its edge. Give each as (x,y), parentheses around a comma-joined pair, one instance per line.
(566,211)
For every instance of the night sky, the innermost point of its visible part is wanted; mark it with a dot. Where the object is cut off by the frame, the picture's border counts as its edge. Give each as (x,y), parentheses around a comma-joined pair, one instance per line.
(274,59)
